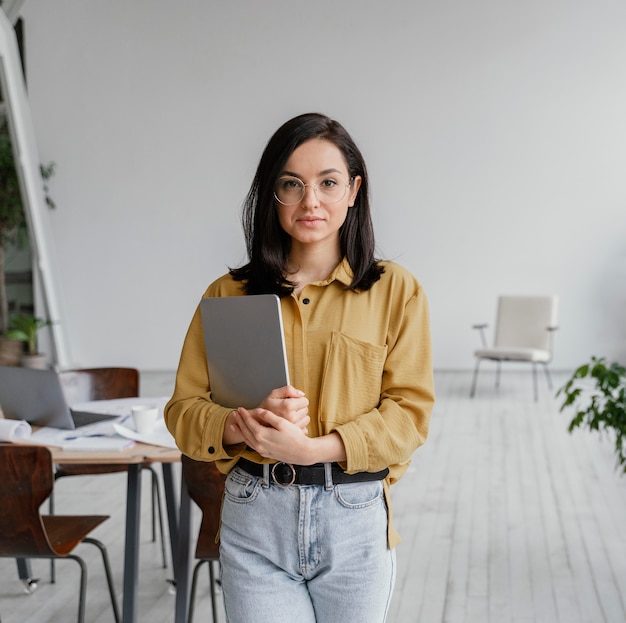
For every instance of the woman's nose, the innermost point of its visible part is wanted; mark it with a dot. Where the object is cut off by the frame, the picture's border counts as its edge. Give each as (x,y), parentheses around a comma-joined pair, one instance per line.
(310,197)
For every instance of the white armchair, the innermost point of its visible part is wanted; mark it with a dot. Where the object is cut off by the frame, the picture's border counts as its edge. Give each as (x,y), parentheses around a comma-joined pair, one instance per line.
(524,332)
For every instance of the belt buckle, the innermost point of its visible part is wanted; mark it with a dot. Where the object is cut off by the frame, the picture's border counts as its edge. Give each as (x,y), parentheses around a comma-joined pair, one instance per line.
(275,476)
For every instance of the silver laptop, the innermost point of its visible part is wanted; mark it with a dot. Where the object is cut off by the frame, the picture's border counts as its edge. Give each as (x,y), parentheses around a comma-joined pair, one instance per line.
(37,397)
(245,348)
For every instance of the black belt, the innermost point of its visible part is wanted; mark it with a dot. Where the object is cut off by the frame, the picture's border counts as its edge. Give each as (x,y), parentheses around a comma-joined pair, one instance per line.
(286,474)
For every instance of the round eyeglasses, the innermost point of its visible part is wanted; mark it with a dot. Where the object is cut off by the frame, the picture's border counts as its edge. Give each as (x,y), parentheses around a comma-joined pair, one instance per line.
(290,190)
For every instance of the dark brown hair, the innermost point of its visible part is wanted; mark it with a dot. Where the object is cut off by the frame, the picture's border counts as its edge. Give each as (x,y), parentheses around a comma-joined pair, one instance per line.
(267,243)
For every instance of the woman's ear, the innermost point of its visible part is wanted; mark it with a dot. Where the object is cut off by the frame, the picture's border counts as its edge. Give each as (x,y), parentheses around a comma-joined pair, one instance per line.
(355,184)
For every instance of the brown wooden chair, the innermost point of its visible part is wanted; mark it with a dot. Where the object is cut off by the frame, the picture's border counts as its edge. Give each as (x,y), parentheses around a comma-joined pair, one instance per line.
(205,484)
(88,384)
(25,483)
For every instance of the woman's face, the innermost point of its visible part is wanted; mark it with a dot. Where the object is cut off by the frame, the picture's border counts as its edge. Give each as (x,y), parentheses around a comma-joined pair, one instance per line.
(316,218)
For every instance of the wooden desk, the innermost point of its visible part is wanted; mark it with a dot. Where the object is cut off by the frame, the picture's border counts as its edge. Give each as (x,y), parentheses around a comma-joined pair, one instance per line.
(134,457)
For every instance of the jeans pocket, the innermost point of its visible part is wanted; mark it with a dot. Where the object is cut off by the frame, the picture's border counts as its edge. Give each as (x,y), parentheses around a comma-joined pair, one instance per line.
(360,494)
(241,487)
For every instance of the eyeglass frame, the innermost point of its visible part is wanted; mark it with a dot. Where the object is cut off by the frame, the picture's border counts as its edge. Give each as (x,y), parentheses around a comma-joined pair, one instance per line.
(314,185)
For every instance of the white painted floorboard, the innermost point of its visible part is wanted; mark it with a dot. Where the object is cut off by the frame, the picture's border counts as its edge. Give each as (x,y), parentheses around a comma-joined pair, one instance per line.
(505,518)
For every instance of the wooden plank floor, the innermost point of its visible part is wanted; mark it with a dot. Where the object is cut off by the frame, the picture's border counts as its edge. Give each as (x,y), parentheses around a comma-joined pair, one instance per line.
(505,518)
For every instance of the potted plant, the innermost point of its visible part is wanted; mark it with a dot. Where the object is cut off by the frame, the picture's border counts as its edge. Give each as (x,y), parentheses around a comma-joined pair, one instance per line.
(25,328)
(12,230)
(598,393)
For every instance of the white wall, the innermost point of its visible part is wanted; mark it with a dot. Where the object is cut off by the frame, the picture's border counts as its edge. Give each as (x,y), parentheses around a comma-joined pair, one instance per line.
(494,131)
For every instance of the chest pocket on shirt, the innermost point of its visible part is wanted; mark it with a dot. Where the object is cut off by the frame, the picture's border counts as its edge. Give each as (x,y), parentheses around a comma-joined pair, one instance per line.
(352,379)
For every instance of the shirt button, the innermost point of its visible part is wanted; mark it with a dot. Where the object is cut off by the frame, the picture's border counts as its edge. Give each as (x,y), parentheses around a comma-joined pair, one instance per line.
(211,450)
(306,301)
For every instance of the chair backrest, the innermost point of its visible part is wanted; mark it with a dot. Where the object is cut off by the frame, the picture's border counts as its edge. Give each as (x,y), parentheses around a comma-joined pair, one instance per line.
(25,483)
(525,321)
(87,384)
(205,484)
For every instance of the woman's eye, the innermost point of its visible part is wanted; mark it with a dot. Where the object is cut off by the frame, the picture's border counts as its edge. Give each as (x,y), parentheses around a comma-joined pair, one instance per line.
(328,183)
(290,184)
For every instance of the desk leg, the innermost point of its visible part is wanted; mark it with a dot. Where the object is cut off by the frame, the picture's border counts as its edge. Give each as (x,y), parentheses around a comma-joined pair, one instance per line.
(183,561)
(131,550)
(172,511)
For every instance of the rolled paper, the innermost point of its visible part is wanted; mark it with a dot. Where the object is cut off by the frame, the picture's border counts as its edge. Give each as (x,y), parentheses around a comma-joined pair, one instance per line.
(12,430)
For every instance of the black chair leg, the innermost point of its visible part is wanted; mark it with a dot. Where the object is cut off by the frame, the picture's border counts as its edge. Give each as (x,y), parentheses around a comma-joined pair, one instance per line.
(109,575)
(83,587)
(192,592)
(53,577)
(157,513)
(25,573)
(212,583)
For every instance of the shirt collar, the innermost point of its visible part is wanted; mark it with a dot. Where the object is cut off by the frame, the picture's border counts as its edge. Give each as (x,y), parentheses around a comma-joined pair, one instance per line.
(342,273)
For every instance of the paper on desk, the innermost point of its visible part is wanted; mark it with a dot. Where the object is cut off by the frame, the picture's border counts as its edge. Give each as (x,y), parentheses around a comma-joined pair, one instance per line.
(120,406)
(97,444)
(12,430)
(159,437)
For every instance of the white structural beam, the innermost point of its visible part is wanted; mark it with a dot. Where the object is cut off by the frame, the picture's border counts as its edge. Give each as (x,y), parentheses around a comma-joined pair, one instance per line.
(31,185)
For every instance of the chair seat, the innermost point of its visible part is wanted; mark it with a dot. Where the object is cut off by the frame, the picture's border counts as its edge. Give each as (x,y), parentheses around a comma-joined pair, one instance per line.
(504,353)
(66,532)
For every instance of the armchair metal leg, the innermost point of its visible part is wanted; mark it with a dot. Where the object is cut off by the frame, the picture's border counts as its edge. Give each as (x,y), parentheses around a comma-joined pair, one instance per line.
(498,369)
(473,389)
(548,377)
(535,389)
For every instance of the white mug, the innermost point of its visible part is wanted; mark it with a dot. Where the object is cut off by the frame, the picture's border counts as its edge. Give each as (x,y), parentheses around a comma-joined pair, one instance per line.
(144,418)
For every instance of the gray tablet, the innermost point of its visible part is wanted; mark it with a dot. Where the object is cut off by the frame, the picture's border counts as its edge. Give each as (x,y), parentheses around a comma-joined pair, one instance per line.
(245,348)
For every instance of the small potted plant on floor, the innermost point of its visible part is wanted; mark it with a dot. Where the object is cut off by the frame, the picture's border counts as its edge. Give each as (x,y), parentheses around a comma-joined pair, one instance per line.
(598,393)
(25,328)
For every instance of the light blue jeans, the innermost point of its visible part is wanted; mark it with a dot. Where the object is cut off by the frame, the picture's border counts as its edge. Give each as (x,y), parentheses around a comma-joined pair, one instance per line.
(304,554)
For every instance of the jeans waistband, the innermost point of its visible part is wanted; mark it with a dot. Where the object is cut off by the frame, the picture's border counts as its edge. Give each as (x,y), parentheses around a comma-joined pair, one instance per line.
(286,474)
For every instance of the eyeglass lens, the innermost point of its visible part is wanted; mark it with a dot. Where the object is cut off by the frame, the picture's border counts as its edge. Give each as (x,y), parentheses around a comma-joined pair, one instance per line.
(291,190)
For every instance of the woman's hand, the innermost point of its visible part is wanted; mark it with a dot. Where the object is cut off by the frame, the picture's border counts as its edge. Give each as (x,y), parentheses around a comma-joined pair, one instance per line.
(271,435)
(276,438)
(285,402)
(289,403)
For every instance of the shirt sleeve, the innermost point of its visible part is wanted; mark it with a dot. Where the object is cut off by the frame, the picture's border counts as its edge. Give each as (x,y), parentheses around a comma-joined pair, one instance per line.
(195,421)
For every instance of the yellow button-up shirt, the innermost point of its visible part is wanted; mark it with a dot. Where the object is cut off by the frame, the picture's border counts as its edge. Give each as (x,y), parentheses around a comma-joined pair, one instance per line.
(362,358)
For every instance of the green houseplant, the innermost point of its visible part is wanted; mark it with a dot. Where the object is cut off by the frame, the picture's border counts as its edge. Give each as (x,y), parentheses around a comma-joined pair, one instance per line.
(13,231)
(597,392)
(24,327)
(12,217)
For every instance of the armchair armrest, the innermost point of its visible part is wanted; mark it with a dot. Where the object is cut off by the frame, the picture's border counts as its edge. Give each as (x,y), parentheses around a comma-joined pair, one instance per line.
(481,328)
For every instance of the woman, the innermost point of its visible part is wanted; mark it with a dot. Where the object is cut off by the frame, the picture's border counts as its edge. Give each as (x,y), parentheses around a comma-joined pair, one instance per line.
(306,519)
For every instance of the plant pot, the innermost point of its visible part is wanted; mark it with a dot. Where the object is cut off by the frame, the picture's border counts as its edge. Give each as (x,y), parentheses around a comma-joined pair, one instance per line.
(39,362)
(10,352)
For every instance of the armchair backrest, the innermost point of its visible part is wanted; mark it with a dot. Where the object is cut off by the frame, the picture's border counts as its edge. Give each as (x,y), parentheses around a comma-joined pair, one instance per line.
(526,321)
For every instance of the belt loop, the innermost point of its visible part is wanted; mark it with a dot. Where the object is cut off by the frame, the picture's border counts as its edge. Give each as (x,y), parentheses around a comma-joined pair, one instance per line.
(266,475)
(328,476)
